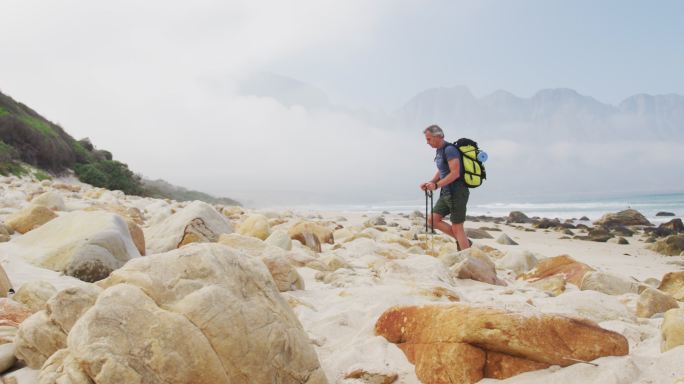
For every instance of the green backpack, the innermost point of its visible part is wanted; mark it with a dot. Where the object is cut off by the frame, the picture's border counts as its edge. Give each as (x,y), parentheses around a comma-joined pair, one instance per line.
(472,170)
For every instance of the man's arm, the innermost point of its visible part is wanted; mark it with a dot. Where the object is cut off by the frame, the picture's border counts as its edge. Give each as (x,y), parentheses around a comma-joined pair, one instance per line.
(454,173)
(430,183)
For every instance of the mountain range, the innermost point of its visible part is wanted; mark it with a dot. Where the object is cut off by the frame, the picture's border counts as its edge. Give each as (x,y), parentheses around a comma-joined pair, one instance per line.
(559,113)
(549,115)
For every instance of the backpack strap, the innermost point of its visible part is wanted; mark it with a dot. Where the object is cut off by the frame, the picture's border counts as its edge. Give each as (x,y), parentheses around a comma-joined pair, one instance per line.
(444,159)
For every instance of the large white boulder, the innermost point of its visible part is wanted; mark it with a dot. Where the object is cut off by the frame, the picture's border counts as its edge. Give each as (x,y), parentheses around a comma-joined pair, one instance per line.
(45,332)
(280,239)
(52,200)
(86,245)
(284,274)
(199,314)
(197,222)
(255,225)
(518,262)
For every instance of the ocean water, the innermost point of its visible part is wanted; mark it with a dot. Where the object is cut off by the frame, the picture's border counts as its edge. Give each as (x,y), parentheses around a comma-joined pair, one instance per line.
(593,208)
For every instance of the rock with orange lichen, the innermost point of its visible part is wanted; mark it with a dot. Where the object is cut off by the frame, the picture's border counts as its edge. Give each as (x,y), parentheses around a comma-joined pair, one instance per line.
(463,344)
(565,266)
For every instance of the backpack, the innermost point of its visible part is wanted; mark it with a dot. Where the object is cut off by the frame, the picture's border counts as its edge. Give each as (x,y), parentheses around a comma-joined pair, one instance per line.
(473,171)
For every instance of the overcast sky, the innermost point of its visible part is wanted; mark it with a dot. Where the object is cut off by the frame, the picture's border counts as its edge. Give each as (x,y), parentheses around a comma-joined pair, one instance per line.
(157,82)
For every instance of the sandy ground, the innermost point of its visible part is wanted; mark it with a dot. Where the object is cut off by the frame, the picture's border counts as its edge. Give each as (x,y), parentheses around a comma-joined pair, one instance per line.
(338,309)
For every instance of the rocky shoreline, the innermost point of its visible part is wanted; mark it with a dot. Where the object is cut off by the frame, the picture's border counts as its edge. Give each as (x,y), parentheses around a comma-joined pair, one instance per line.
(103,287)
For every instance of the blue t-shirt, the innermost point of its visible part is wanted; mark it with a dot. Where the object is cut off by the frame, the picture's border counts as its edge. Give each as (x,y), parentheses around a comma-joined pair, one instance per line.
(451,153)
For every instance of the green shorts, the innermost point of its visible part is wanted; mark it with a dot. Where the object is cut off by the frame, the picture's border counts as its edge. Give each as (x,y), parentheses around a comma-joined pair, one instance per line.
(453,203)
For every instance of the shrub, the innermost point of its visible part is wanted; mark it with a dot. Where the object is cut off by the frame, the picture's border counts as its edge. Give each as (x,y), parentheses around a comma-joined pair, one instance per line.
(12,168)
(40,175)
(110,174)
(88,173)
(7,152)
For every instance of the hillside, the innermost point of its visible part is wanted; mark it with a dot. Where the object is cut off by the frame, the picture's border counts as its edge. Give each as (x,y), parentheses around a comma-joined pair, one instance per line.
(163,189)
(31,144)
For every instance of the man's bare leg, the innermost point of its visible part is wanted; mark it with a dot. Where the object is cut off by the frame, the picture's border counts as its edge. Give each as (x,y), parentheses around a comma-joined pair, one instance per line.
(460,236)
(436,222)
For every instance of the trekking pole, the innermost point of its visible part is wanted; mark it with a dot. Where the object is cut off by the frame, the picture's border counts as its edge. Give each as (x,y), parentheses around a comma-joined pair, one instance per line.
(426,211)
(432,225)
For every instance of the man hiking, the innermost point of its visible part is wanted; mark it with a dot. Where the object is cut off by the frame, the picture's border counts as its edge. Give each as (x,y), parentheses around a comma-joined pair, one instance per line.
(454,193)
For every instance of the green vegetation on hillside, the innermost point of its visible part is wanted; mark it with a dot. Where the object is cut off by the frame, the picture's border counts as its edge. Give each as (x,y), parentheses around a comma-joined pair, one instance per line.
(29,138)
(162,189)
(39,125)
(32,145)
(110,174)
(7,152)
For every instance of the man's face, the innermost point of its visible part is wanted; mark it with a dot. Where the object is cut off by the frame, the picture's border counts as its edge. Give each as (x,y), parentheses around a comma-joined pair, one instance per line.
(433,141)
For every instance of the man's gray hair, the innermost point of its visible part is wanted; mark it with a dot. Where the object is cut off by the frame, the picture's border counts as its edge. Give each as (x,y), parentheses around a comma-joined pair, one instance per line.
(434,130)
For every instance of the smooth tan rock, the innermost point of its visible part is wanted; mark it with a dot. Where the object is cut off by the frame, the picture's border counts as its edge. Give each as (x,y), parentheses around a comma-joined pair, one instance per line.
(672,329)
(94,193)
(5,229)
(476,233)
(476,269)
(466,362)
(608,283)
(284,274)
(248,244)
(652,301)
(553,285)
(45,332)
(13,312)
(203,313)
(623,218)
(518,262)
(7,358)
(52,200)
(280,239)
(343,234)
(62,367)
(450,259)
(85,245)
(472,263)
(67,187)
(311,234)
(308,240)
(37,339)
(372,377)
(672,245)
(570,269)
(8,331)
(198,222)
(137,235)
(68,305)
(329,263)
(673,284)
(5,283)
(232,211)
(537,338)
(505,239)
(129,213)
(30,218)
(502,366)
(35,294)
(255,225)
